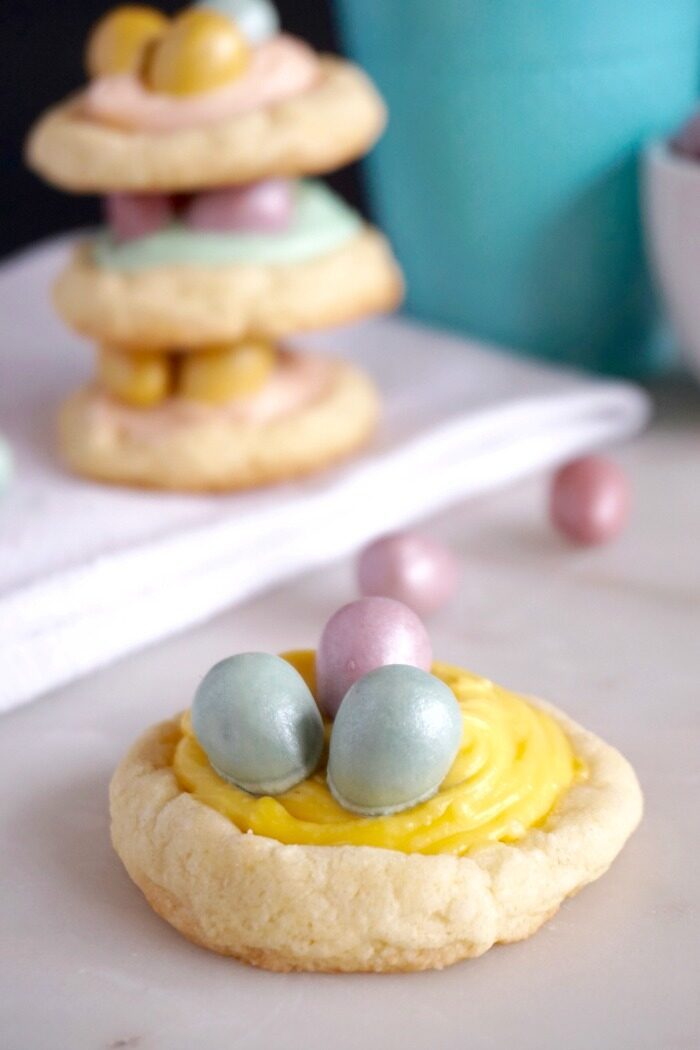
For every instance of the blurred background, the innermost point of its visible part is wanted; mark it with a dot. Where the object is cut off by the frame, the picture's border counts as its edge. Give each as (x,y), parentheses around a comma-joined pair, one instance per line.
(42,44)
(509,180)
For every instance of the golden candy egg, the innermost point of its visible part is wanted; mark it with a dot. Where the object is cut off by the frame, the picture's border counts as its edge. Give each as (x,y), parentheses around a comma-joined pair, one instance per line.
(141,380)
(203,50)
(118,42)
(225,373)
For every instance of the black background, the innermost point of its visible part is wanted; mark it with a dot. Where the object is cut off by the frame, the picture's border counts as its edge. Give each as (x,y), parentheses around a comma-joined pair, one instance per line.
(41,49)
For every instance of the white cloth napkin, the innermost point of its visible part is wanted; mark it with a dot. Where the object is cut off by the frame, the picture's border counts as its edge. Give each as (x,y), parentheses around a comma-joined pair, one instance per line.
(88,573)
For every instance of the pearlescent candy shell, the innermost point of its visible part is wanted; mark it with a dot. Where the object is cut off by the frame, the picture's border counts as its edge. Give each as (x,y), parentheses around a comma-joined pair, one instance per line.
(362,636)
(394,739)
(263,207)
(687,139)
(411,568)
(133,215)
(258,723)
(589,500)
(258,20)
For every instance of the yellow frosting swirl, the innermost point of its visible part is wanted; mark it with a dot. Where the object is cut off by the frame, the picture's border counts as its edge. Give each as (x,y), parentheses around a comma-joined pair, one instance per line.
(513,764)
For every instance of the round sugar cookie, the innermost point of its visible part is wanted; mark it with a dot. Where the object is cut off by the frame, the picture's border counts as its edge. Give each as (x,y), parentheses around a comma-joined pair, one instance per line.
(359,908)
(192,307)
(326,127)
(189,446)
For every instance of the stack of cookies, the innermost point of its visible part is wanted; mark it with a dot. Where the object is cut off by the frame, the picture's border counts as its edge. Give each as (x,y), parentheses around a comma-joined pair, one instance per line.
(202,133)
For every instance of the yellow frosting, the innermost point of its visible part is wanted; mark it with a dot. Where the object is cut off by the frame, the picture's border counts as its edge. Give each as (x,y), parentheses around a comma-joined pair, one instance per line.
(513,764)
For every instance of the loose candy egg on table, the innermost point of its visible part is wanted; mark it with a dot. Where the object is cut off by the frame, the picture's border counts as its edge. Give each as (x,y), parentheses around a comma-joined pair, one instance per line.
(226,373)
(410,567)
(394,739)
(133,215)
(258,20)
(258,723)
(119,41)
(362,636)
(203,50)
(263,206)
(141,380)
(589,500)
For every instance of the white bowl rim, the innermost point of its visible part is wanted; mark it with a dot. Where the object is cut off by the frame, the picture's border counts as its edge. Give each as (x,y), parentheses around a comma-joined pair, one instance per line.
(659,153)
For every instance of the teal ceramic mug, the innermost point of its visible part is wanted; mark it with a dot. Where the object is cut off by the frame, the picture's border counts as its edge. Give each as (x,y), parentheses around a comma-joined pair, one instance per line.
(508,177)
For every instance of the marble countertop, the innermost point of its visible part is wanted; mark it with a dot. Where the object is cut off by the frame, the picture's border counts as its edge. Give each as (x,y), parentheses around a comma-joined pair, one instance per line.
(611,635)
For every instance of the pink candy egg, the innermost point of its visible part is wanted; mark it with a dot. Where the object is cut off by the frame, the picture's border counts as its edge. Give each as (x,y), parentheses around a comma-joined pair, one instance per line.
(364,635)
(589,500)
(133,215)
(263,207)
(687,140)
(411,568)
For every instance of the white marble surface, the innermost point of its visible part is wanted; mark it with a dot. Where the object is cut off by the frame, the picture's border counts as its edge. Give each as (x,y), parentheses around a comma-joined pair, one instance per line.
(611,635)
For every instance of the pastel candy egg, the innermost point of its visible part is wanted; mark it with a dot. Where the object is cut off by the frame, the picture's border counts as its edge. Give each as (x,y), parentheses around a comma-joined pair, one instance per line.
(119,41)
(227,373)
(257,19)
(687,139)
(365,635)
(202,51)
(141,380)
(134,215)
(394,739)
(264,206)
(409,567)
(258,723)
(589,500)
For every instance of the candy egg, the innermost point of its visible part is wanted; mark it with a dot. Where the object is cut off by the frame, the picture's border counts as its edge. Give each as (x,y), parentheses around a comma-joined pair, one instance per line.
(202,51)
(409,567)
(687,139)
(257,721)
(394,739)
(362,636)
(589,500)
(119,41)
(134,215)
(225,373)
(257,19)
(141,380)
(264,207)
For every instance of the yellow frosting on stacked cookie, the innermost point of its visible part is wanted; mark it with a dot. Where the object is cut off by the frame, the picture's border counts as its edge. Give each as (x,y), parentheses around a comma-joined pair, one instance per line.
(513,765)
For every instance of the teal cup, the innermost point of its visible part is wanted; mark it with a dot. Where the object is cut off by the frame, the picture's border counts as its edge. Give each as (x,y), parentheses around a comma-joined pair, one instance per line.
(508,177)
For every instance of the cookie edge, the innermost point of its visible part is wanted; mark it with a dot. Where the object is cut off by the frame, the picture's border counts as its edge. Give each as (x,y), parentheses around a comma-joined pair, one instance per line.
(500,894)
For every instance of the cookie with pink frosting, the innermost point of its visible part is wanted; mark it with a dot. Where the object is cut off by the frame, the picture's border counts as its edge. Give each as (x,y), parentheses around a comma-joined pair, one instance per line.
(161,122)
(311,414)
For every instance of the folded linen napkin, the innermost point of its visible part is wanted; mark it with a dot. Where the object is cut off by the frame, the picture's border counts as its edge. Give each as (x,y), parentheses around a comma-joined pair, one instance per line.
(88,573)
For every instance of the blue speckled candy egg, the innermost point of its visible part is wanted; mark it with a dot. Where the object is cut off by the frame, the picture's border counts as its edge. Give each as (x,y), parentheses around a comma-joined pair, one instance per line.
(257,19)
(394,739)
(257,721)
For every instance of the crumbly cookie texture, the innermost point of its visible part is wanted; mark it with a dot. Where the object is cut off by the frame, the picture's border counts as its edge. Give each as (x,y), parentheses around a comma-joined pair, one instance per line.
(350,908)
(318,131)
(191,307)
(216,451)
